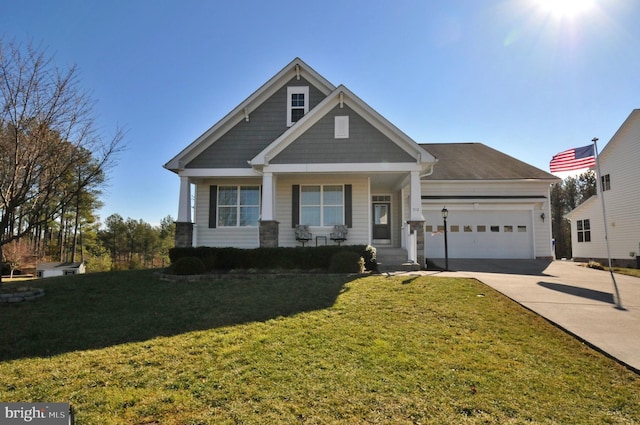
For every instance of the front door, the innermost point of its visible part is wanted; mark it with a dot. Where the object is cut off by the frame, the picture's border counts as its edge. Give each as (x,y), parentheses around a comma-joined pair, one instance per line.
(381,221)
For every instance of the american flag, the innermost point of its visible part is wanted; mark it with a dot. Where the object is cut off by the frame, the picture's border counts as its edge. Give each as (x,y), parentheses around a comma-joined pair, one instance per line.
(573,159)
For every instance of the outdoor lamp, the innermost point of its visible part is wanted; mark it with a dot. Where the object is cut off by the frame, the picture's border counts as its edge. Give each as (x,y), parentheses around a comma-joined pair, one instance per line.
(445,214)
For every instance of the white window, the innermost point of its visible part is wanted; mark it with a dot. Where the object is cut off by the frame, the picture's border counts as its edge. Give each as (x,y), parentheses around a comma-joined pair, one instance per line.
(606,182)
(297,103)
(584,230)
(341,127)
(322,205)
(238,206)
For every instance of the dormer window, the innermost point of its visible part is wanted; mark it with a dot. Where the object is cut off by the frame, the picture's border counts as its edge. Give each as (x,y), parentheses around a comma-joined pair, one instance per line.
(297,103)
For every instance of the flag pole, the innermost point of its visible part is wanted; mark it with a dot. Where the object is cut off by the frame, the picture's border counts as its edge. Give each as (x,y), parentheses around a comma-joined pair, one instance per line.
(616,294)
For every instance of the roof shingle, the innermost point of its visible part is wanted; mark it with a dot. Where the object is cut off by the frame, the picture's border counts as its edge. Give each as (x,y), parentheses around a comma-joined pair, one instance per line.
(476,161)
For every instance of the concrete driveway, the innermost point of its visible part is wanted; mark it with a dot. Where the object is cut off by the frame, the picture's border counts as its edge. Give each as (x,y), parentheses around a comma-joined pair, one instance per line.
(576,298)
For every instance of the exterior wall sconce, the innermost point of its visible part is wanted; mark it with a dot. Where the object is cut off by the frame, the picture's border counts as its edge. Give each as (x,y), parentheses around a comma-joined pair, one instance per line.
(542,217)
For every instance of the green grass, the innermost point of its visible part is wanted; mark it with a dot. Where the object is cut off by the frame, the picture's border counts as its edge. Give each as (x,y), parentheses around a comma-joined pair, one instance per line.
(125,348)
(627,271)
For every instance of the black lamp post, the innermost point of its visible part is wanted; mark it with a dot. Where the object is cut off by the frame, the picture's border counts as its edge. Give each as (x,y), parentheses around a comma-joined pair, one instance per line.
(445,214)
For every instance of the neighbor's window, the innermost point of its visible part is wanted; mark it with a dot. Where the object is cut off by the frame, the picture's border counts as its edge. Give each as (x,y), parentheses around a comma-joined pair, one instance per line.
(495,228)
(468,228)
(508,229)
(522,228)
(322,205)
(481,228)
(606,182)
(455,228)
(297,103)
(238,206)
(584,231)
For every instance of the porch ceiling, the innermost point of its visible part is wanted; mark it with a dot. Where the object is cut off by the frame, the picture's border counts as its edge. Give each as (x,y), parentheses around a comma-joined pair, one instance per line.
(388,181)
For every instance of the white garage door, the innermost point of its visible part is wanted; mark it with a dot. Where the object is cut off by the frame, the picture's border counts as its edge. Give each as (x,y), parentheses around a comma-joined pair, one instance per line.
(482,234)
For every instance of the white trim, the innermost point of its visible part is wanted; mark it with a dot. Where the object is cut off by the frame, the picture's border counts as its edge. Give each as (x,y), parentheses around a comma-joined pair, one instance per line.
(184,203)
(391,167)
(268,197)
(291,90)
(341,127)
(415,195)
(219,172)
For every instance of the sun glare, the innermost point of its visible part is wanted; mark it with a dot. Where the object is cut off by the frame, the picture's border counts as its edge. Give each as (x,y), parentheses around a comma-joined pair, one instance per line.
(565,8)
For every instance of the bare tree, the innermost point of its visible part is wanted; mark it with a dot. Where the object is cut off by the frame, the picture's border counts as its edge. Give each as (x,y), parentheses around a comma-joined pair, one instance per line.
(47,129)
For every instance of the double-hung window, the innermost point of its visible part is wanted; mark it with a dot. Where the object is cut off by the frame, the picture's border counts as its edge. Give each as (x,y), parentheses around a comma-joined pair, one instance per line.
(238,206)
(584,230)
(606,182)
(297,103)
(322,205)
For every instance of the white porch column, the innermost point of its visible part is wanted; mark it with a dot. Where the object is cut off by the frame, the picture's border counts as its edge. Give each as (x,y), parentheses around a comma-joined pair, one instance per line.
(267,197)
(184,206)
(416,197)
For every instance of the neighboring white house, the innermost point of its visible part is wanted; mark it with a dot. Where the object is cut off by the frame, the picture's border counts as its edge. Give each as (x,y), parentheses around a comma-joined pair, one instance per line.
(301,151)
(59,269)
(619,183)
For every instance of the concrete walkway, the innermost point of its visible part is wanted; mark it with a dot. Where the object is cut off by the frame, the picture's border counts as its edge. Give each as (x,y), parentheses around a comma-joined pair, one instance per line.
(575,298)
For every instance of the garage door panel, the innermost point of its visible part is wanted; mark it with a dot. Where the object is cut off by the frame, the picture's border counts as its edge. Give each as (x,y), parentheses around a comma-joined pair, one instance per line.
(483,234)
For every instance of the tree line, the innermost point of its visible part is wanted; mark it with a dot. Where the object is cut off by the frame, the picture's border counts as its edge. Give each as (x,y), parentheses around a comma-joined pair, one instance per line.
(565,196)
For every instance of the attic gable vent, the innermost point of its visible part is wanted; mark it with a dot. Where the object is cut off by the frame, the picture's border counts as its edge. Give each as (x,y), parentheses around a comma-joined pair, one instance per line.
(341,128)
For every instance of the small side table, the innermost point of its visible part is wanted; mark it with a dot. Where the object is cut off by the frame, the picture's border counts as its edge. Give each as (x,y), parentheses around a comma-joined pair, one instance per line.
(321,237)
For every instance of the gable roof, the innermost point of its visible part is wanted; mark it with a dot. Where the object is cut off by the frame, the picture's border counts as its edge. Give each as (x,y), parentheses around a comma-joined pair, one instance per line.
(476,161)
(582,208)
(342,95)
(294,69)
(633,117)
(59,265)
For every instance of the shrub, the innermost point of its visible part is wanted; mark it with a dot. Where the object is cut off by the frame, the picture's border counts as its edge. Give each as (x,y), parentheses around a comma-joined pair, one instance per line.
(370,258)
(188,266)
(595,265)
(283,258)
(346,262)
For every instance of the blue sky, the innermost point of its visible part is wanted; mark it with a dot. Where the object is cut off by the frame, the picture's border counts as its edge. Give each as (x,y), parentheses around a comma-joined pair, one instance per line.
(512,74)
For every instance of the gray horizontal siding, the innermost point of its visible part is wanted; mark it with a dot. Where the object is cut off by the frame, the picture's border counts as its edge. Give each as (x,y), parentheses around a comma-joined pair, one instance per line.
(365,144)
(246,139)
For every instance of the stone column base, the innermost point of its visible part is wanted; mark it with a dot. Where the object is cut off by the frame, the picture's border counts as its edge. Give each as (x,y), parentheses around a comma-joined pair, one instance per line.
(184,234)
(269,233)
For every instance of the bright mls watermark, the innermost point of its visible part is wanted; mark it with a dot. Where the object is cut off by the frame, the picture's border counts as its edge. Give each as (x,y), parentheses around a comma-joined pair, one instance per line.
(36,413)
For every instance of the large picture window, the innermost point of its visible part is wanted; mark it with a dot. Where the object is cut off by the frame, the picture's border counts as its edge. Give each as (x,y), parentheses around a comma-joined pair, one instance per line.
(322,205)
(238,206)
(584,231)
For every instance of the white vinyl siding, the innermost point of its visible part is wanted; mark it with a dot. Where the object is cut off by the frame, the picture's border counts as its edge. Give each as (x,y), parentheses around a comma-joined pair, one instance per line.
(239,237)
(361,204)
(531,199)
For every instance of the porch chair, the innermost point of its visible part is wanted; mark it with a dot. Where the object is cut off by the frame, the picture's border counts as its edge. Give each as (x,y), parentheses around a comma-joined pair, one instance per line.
(339,234)
(303,234)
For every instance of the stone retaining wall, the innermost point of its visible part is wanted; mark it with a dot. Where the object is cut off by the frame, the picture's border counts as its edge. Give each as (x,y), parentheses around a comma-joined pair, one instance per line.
(18,297)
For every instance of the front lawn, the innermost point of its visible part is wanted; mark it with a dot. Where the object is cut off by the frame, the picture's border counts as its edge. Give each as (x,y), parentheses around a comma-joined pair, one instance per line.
(125,348)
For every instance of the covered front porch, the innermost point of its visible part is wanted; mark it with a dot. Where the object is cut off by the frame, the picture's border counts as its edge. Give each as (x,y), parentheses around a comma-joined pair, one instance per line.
(382,209)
